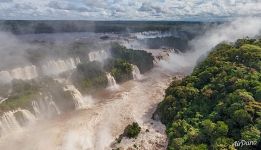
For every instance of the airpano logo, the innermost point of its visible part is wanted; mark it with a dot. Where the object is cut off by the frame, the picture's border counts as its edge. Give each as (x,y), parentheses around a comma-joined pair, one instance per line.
(242,143)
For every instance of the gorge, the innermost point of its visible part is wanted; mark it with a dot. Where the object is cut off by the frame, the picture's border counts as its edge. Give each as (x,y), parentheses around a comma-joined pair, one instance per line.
(81,91)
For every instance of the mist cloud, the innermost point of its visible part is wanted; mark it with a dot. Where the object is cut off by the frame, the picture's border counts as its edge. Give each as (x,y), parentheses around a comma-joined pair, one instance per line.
(227,32)
(12,51)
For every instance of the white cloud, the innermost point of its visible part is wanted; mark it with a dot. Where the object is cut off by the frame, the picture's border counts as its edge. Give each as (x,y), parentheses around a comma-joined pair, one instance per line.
(5,1)
(128,9)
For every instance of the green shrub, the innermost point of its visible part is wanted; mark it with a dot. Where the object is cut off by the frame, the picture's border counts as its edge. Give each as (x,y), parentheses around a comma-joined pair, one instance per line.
(132,130)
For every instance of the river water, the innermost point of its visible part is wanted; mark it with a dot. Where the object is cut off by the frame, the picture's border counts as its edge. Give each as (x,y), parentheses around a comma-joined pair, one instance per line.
(97,127)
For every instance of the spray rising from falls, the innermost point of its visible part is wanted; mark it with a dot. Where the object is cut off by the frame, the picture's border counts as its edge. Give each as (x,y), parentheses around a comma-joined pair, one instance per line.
(201,46)
(112,84)
(136,73)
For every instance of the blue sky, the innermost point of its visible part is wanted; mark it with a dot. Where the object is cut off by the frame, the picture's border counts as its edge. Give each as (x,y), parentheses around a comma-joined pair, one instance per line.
(129,9)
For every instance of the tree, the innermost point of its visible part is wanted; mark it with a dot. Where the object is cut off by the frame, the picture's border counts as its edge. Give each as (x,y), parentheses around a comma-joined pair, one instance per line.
(132,130)
(250,133)
(220,99)
(241,117)
(223,143)
(208,127)
(221,129)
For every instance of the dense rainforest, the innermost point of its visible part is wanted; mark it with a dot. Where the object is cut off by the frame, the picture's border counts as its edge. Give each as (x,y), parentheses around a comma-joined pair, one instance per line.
(219,103)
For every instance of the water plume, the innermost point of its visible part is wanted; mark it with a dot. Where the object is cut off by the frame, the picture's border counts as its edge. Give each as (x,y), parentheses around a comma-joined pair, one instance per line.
(79,100)
(136,72)
(28,115)
(202,45)
(112,84)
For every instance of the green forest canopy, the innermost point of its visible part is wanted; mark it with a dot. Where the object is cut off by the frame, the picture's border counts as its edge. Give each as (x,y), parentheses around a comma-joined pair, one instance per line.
(219,103)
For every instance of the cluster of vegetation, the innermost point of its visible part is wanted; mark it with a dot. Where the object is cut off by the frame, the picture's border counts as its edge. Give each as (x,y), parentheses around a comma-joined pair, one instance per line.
(92,75)
(131,131)
(21,96)
(219,103)
(141,58)
(120,69)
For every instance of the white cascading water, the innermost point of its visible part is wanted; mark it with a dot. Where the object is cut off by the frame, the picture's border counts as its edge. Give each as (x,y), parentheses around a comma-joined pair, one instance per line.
(78,99)
(53,105)
(98,55)
(112,84)
(136,73)
(27,115)
(52,67)
(22,73)
(25,73)
(3,100)
(55,67)
(9,123)
(36,108)
(45,107)
(151,34)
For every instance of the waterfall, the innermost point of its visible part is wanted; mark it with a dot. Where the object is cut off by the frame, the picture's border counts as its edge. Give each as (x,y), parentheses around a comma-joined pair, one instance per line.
(55,67)
(25,73)
(45,107)
(52,67)
(27,115)
(9,123)
(77,96)
(111,82)
(136,73)
(98,55)
(52,104)
(151,34)
(36,108)
(3,100)
(22,73)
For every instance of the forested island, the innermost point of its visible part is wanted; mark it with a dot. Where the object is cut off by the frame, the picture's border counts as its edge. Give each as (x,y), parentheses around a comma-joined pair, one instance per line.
(219,103)
(91,76)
